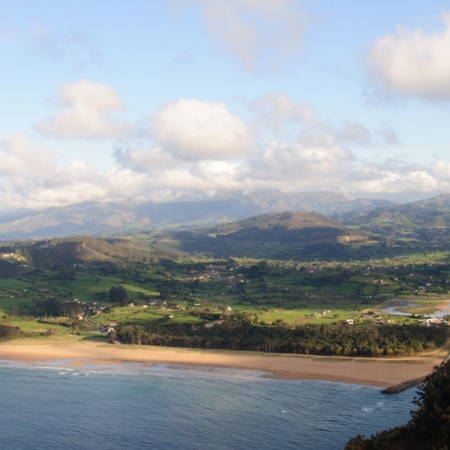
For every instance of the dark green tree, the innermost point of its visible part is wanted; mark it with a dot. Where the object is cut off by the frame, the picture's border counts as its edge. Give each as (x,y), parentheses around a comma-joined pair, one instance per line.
(8,269)
(431,421)
(118,294)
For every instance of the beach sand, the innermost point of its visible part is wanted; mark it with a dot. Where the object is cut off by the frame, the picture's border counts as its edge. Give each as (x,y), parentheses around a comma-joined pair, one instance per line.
(367,371)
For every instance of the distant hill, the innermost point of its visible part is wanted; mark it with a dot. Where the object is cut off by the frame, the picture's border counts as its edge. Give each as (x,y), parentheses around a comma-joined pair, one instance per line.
(285,235)
(424,220)
(79,250)
(105,252)
(113,218)
(276,235)
(385,232)
(308,227)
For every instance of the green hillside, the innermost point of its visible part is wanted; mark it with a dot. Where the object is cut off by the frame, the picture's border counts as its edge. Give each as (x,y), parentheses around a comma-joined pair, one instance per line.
(425,221)
(289,235)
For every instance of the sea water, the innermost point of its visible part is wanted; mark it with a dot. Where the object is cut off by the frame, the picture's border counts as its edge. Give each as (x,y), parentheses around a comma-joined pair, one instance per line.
(59,405)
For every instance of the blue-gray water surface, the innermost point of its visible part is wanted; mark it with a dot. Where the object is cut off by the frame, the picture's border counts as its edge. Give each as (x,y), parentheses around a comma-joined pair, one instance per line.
(144,406)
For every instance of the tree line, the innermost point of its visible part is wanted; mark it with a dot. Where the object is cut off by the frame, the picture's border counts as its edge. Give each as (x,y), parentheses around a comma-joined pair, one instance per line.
(331,339)
(54,307)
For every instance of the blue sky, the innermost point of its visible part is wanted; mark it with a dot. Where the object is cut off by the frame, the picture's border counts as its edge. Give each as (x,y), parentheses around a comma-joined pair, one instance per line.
(173,99)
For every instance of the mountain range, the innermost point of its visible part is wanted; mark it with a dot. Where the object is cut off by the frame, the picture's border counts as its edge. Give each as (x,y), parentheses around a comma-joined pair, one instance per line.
(416,220)
(386,231)
(132,216)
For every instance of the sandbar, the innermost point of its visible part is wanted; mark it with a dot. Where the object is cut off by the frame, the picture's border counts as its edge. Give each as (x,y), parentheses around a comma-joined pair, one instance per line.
(380,372)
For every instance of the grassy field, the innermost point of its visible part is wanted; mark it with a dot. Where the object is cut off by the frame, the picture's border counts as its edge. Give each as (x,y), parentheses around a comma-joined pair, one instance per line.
(295,293)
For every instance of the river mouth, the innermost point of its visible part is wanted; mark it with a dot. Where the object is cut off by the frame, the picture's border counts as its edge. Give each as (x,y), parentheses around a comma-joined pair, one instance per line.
(396,307)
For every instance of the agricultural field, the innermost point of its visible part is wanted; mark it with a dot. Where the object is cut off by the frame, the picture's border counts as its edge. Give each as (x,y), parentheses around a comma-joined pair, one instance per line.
(199,290)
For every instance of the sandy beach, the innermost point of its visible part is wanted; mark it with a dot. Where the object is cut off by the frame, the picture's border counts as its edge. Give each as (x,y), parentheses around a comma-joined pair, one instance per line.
(375,372)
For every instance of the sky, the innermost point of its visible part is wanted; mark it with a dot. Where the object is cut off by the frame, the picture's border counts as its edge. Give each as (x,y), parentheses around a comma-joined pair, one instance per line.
(168,100)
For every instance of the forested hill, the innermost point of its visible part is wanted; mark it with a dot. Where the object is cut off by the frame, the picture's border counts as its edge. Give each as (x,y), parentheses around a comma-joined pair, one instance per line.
(422,220)
(83,249)
(277,235)
(415,227)
(288,221)
(307,227)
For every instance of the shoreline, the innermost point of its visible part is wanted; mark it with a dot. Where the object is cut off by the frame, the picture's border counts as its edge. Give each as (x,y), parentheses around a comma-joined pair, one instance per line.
(376,372)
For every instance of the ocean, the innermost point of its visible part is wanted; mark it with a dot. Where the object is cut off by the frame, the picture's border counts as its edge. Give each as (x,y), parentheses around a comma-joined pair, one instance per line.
(164,406)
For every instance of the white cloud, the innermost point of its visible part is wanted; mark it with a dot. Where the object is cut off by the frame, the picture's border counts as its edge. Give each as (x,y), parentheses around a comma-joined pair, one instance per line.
(297,167)
(159,175)
(193,129)
(29,177)
(87,112)
(304,161)
(145,159)
(279,117)
(414,61)
(19,158)
(277,113)
(261,33)
(399,178)
(442,170)
(199,149)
